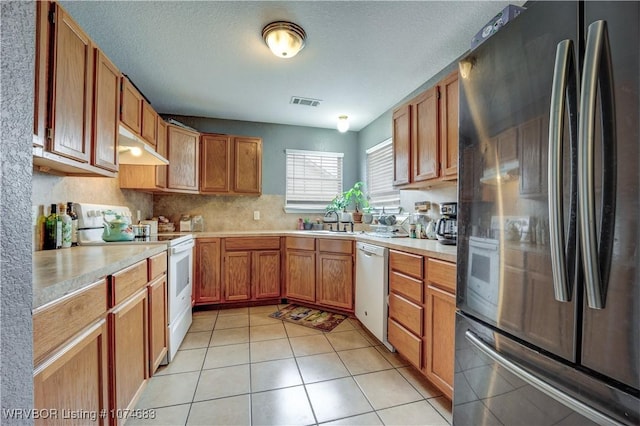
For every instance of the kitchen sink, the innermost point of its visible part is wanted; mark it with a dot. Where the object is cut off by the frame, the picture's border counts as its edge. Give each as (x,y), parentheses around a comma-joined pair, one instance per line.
(327,232)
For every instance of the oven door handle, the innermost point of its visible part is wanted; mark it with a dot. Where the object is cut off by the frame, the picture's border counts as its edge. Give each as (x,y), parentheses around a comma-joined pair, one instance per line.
(182,247)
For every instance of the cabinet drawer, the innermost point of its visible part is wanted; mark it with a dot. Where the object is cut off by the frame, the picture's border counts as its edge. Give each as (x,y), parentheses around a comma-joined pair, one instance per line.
(408,345)
(54,323)
(264,243)
(442,274)
(301,243)
(335,246)
(406,263)
(157,265)
(127,282)
(407,286)
(406,313)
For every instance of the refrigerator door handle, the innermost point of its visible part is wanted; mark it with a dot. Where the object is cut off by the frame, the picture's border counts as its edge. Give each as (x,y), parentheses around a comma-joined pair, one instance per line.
(563,88)
(597,71)
(536,382)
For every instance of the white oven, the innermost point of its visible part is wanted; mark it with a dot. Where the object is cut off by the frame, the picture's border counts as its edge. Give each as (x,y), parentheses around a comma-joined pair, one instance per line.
(179,285)
(483,276)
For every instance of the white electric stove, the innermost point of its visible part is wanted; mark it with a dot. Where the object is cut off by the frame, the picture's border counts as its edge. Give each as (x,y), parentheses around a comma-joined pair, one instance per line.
(179,269)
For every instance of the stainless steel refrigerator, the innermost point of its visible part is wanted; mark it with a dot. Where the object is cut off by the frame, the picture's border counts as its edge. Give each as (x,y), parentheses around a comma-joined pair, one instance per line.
(548,327)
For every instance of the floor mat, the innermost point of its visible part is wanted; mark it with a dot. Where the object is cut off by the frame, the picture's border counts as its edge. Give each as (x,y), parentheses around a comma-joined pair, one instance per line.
(309,317)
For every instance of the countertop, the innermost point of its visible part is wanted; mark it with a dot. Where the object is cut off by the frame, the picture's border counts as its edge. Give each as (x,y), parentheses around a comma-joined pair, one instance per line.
(57,273)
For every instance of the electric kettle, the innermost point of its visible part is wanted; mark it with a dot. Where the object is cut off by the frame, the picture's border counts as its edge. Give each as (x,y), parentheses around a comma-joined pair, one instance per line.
(118,229)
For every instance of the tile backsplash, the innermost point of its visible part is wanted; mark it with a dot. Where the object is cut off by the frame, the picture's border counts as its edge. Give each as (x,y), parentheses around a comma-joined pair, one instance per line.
(222,213)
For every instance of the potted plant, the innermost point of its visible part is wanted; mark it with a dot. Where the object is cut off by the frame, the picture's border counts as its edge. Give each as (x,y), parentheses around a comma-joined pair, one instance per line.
(367,216)
(338,205)
(307,224)
(359,199)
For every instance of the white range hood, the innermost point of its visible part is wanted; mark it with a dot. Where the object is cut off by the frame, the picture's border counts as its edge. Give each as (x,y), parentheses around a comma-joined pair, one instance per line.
(132,150)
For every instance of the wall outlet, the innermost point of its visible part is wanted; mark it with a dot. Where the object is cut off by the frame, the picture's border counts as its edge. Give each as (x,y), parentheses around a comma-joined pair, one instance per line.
(256,215)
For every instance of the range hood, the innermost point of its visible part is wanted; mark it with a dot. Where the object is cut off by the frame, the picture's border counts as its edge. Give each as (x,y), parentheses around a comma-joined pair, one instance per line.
(132,150)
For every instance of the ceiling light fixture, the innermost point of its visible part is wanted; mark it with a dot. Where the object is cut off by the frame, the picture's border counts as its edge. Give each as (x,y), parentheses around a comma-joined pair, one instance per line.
(285,39)
(343,123)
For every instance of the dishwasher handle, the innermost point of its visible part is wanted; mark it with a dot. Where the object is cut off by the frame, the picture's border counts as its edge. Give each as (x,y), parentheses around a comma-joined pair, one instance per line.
(371,250)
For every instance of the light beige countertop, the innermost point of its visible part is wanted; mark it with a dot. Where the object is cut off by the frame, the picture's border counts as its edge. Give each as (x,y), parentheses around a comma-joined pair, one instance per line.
(57,273)
(429,248)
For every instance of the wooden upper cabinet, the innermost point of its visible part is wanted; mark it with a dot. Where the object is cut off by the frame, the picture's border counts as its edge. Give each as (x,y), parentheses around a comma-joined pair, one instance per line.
(402,145)
(161,148)
(149,124)
(424,135)
(230,164)
(215,167)
(449,126)
(183,154)
(131,107)
(72,89)
(248,165)
(41,71)
(105,113)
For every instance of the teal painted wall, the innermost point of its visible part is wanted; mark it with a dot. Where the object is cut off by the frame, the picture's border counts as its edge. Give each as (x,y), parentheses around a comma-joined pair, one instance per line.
(278,137)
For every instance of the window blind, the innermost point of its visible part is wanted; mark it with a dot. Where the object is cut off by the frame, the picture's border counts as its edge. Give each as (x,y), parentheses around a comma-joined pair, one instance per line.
(314,178)
(380,175)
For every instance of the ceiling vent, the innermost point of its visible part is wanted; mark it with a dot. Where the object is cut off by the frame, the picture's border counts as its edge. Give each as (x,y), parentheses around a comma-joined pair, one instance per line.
(297,100)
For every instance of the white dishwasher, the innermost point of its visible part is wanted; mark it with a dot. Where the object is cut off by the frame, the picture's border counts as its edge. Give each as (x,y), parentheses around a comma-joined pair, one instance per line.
(372,289)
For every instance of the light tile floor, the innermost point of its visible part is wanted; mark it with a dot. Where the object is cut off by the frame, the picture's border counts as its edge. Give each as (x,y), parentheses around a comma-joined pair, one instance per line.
(240,367)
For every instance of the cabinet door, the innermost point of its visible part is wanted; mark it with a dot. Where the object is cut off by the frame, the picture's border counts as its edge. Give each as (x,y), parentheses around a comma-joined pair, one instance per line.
(41,71)
(72,91)
(334,282)
(402,145)
(208,289)
(301,275)
(149,124)
(74,379)
(161,148)
(247,165)
(439,341)
(424,138)
(128,354)
(237,276)
(158,322)
(106,113)
(449,126)
(266,274)
(533,157)
(183,156)
(215,163)
(131,106)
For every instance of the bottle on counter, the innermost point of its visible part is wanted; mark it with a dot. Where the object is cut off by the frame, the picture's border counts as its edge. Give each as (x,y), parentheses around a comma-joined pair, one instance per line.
(65,222)
(51,229)
(39,229)
(300,224)
(74,223)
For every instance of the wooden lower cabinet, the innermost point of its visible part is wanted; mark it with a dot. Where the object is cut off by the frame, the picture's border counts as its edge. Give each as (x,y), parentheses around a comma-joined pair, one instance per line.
(158,330)
(251,268)
(266,274)
(422,308)
(207,271)
(439,341)
(334,282)
(237,276)
(301,275)
(128,352)
(74,379)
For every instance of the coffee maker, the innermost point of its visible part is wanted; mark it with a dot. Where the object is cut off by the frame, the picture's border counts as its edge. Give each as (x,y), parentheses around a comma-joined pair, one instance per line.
(447,226)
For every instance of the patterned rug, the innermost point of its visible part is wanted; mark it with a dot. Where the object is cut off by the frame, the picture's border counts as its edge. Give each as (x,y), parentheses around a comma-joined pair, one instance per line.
(309,317)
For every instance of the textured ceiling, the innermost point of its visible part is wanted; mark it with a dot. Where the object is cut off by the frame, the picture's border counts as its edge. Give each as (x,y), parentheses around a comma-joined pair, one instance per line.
(208,58)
